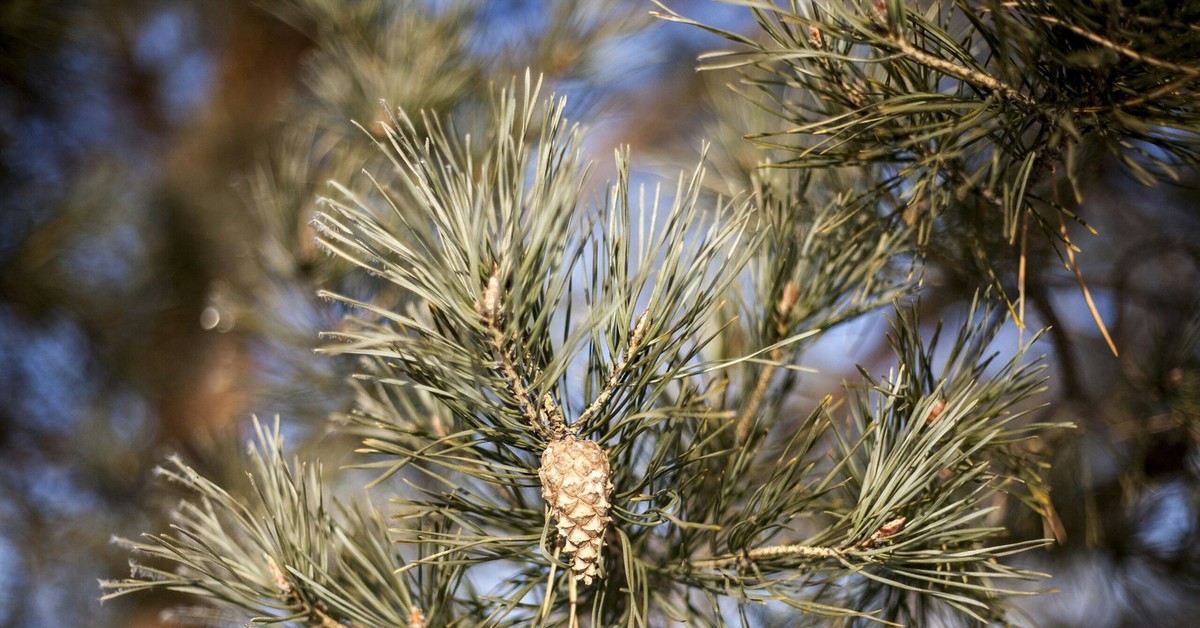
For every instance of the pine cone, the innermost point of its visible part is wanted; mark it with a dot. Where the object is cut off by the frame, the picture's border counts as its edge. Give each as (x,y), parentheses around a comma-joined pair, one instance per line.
(575,482)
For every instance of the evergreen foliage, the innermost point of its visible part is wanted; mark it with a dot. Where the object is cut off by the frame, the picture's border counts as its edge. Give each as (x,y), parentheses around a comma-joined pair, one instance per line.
(506,313)
(969,113)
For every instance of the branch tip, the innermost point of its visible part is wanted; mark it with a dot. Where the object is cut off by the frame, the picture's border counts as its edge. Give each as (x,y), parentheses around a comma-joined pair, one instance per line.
(488,306)
(277,576)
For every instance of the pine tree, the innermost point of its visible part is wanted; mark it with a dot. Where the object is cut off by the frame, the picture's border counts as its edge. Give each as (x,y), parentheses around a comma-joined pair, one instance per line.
(591,412)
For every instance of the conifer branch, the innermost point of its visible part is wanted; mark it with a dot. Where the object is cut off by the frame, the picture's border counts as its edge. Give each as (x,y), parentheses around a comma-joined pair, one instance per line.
(1168,88)
(636,338)
(465,387)
(782,315)
(985,81)
(490,310)
(806,552)
(229,548)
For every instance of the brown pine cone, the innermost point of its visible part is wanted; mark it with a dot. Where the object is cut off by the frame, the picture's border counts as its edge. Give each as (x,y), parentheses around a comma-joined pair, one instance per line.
(575,482)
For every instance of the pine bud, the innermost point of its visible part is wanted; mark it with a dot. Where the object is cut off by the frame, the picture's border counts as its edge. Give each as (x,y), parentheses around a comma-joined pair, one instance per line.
(888,529)
(576,485)
(935,411)
(416,619)
(489,302)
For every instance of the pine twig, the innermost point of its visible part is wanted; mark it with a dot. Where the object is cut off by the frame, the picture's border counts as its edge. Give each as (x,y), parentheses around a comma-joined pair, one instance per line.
(854,91)
(573,598)
(975,77)
(488,307)
(640,329)
(783,311)
(1141,99)
(807,551)
(772,551)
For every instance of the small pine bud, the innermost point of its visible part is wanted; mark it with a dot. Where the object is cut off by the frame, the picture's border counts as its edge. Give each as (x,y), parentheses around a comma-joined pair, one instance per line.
(416,619)
(814,37)
(787,301)
(888,529)
(277,576)
(489,301)
(576,484)
(935,411)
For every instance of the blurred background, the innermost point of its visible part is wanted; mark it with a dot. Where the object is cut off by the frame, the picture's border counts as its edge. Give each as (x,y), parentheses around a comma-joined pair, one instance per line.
(160,160)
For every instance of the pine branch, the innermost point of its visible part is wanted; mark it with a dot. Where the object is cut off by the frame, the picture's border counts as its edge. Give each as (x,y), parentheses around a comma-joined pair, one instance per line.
(984,81)
(963,111)
(316,616)
(500,348)
(277,553)
(1189,72)
(921,465)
